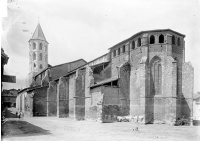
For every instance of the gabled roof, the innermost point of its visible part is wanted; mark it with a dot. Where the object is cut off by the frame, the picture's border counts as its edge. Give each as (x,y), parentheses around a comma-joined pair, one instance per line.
(38,34)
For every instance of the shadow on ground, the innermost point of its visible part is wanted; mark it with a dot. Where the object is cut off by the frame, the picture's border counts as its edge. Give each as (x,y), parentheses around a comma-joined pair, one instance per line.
(10,113)
(21,128)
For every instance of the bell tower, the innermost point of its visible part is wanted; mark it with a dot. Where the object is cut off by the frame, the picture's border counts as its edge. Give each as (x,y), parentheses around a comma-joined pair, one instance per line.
(38,53)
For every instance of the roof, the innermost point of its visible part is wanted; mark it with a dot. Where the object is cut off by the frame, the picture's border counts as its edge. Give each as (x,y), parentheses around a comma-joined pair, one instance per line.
(4,57)
(141,32)
(38,34)
(49,67)
(104,81)
(31,88)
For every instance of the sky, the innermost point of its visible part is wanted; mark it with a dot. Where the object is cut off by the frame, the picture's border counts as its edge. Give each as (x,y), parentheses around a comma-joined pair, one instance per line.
(87,28)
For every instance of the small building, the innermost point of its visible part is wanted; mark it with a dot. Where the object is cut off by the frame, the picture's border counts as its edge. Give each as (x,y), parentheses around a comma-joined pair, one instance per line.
(8,97)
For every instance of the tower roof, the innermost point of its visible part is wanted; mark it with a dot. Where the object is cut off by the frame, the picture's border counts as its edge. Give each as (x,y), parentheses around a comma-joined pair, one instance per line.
(38,34)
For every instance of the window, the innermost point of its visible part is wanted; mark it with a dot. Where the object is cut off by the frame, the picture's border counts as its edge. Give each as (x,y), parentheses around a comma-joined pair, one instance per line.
(34,45)
(40,46)
(133,44)
(123,49)
(34,56)
(34,65)
(152,39)
(118,51)
(139,42)
(114,53)
(41,66)
(40,57)
(173,40)
(161,38)
(178,41)
(156,76)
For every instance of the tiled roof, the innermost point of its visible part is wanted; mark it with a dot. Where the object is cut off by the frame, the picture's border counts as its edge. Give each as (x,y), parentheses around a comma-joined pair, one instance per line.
(38,34)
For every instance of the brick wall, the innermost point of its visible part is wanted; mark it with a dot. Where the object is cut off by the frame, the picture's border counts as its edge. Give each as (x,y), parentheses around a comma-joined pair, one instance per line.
(80,95)
(40,102)
(52,99)
(63,97)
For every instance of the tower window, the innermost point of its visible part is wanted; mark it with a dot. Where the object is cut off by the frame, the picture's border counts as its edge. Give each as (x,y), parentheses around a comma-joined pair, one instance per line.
(123,49)
(40,46)
(34,56)
(34,65)
(41,66)
(178,41)
(133,44)
(114,53)
(40,57)
(173,40)
(34,45)
(139,42)
(152,39)
(118,51)
(161,38)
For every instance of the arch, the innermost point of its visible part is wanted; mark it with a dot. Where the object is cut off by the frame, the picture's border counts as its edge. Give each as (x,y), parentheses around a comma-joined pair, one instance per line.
(34,56)
(152,39)
(114,53)
(178,42)
(133,44)
(119,51)
(40,57)
(40,47)
(161,38)
(34,45)
(173,40)
(156,76)
(123,49)
(41,66)
(139,42)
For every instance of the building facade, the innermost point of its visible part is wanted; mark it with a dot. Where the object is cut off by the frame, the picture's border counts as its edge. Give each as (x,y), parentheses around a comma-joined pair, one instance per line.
(144,77)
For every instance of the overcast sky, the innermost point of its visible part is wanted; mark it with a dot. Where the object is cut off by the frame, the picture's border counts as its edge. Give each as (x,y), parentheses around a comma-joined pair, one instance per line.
(87,28)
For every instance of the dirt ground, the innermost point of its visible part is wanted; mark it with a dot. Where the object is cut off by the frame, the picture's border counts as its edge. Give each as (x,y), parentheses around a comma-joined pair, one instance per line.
(43,128)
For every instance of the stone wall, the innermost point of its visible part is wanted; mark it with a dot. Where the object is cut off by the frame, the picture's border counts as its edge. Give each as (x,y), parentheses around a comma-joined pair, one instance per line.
(187,89)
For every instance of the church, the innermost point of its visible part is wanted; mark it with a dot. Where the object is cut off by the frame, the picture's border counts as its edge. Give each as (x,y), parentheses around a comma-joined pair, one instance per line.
(143,76)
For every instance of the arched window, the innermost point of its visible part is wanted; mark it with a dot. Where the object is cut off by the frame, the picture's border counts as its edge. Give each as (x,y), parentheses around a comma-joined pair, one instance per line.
(152,39)
(34,65)
(118,51)
(40,48)
(34,45)
(161,38)
(40,57)
(123,49)
(133,44)
(178,42)
(156,76)
(114,53)
(41,66)
(139,42)
(34,56)
(173,40)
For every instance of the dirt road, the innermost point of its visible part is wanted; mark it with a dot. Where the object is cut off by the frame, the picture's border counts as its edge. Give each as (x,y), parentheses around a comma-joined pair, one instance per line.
(43,128)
